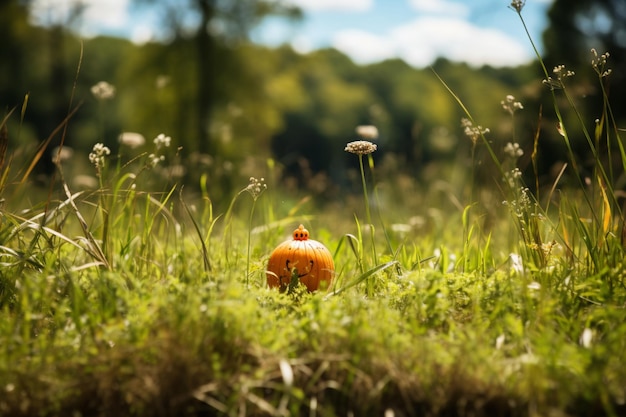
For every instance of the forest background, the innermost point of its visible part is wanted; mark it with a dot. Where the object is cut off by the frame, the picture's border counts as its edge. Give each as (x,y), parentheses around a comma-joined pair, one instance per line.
(230,104)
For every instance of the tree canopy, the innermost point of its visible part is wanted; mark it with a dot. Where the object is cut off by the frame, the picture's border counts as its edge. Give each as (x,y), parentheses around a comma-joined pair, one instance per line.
(224,99)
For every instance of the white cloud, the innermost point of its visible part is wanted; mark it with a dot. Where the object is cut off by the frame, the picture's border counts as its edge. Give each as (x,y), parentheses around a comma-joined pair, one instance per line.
(100,13)
(364,47)
(440,7)
(427,38)
(107,13)
(142,34)
(302,44)
(333,5)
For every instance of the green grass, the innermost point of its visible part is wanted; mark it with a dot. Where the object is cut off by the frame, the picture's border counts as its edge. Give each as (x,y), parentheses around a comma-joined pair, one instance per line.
(141,299)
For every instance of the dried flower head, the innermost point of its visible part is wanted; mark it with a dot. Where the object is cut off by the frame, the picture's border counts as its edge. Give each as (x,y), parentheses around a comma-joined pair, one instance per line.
(103,91)
(510,105)
(131,139)
(560,74)
(471,131)
(367,132)
(599,63)
(98,154)
(518,5)
(360,147)
(256,187)
(522,204)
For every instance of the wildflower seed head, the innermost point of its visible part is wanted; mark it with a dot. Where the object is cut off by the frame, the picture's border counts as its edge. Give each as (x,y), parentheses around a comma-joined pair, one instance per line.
(561,72)
(154,159)
(103,91)
(522,204)
(256,187)
(510,105)
(599,63)
(518,5)
(367,132)
(513,150)
(512,177)
(471,131)
(162,141)
(62,154)
(131,139)
(360,147)
(98,154)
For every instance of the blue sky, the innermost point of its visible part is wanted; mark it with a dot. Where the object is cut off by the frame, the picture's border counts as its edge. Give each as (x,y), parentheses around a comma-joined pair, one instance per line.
(474,31)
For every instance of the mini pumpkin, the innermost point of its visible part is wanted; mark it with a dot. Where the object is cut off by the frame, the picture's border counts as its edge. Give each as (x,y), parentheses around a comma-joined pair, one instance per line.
(307,259)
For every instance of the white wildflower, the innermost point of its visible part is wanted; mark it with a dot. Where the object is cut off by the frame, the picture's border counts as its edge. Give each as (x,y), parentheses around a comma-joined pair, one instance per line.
(286,372)
(512,177)
(534,286)
(471,131)
(131,139)
(599,63)
(62,154)
(98,155)
(367,132)
(85,182)
(162,141)
(513,150)
(103,91)
(510,105)
(560,74)
(586,338)
(256,187)
(517,264)
(154,159)
(401,228)
(360,147)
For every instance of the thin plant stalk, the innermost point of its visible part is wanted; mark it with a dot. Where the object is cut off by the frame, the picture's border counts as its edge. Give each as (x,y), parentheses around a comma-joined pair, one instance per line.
(367,208)
(249,240)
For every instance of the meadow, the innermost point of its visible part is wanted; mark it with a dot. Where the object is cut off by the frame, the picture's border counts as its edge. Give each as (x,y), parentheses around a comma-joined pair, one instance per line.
(127,293)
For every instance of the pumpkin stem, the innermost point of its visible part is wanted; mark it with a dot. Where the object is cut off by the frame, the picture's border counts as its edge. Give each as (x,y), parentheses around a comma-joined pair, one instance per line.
(301,233)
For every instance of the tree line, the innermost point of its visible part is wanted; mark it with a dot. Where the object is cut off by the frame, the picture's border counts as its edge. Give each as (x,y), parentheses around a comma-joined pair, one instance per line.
(224,99)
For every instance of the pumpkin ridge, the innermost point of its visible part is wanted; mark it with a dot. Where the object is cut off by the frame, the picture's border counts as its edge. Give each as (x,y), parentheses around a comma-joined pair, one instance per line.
(312,261)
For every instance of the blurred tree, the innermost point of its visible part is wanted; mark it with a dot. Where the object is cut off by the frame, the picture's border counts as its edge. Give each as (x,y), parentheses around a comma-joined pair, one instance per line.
(324,98)
(13,32)
(575,28)
(33,61)
(215,27)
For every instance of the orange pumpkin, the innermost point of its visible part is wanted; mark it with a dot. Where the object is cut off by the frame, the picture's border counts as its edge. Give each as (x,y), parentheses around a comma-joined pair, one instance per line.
(304,258)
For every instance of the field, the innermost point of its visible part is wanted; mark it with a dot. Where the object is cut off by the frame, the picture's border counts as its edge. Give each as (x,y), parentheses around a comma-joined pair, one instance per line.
(134,296)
